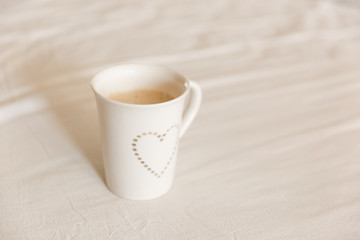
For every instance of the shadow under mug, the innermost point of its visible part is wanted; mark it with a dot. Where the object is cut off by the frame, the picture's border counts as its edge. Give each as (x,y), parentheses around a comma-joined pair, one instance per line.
(140,142)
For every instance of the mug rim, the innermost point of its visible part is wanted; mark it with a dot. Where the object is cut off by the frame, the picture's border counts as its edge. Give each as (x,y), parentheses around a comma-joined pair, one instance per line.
(178,98)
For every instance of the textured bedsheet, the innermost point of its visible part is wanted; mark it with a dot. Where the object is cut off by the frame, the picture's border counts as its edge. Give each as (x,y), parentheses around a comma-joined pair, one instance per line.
(273,154)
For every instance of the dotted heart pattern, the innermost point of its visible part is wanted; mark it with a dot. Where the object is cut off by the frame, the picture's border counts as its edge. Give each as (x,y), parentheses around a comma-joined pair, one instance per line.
(160,137)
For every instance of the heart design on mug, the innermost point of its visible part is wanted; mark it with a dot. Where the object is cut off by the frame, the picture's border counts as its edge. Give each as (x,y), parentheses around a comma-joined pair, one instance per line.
(159,146)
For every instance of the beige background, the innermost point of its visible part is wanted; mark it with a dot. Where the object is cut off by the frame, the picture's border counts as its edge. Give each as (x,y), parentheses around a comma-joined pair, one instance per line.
(273,154)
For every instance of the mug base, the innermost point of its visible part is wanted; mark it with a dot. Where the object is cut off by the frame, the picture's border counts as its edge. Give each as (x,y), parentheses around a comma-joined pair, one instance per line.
(141,198)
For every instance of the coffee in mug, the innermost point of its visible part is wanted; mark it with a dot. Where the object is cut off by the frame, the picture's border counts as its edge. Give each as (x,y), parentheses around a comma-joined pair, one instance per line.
(141,96)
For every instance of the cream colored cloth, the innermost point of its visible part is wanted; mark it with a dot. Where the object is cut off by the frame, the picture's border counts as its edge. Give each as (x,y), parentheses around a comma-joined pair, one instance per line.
(273,154)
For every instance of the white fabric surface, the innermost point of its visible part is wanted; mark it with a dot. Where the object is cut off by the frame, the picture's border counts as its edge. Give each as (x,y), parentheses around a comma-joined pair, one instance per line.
(273,154)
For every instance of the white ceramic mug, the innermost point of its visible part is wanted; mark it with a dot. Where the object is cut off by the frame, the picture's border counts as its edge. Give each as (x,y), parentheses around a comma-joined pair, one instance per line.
(140,142)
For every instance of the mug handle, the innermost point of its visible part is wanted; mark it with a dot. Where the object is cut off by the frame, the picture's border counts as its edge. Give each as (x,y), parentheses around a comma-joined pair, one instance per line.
(192,108)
